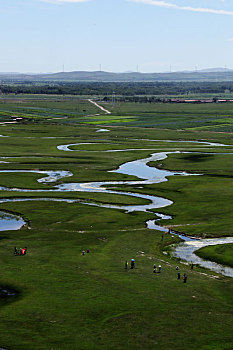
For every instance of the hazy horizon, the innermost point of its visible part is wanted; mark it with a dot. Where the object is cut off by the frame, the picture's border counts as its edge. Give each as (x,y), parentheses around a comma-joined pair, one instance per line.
(211,70)
(149,36)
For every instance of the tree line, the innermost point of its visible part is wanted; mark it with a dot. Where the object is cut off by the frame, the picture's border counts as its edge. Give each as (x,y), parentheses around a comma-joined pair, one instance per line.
(107,89)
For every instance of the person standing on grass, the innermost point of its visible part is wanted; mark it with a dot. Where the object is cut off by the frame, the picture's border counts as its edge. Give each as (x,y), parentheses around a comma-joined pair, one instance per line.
(185,278)
(178,275)
(132,263)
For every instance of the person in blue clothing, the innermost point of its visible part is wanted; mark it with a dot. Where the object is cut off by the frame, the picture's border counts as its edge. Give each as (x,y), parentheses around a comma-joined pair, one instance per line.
(132,264)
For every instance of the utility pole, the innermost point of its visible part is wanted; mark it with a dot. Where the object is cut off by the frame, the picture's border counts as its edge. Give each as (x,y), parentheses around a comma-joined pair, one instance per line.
(113,98)
(225,71)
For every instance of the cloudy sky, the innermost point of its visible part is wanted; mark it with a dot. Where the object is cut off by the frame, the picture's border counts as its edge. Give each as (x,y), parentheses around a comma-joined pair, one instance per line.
(115,35)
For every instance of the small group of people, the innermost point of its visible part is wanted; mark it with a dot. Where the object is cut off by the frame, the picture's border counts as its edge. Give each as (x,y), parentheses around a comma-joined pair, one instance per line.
(157,270)
(20,251)
(184,276)
(83,252)
(166,232)
(132,264)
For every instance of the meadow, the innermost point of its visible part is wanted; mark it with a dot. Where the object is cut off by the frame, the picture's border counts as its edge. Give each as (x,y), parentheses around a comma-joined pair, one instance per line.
(66,300)
(219,253)
(75,109)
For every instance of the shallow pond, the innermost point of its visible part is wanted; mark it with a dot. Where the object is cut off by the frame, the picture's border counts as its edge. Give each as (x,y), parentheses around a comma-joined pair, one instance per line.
(10,222)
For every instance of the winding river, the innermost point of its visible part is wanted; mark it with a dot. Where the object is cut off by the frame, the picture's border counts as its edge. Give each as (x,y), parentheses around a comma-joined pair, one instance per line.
(145,175)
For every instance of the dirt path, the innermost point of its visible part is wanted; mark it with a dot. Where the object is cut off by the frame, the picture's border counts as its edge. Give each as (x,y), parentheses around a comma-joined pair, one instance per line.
(97,105)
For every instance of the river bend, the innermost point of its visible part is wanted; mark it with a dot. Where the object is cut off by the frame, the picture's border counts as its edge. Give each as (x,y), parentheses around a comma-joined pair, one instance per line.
(145,175)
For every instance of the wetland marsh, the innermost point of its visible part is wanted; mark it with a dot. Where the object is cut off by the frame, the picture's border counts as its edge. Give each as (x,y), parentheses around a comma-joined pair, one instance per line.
(101,191)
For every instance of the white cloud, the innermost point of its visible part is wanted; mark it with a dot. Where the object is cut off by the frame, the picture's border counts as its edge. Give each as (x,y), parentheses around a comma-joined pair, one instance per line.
(63,1)
(185,8)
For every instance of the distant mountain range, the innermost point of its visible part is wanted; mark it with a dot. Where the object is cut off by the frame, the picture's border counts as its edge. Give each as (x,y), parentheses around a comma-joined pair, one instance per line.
(211,70)
(211,74)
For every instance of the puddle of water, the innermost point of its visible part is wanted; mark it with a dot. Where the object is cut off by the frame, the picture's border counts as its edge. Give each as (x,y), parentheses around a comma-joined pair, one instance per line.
(102,130)
(67,147)
(10,222)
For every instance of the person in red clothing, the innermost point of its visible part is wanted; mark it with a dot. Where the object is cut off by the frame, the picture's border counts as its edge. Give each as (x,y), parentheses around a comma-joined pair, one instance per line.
(23,251)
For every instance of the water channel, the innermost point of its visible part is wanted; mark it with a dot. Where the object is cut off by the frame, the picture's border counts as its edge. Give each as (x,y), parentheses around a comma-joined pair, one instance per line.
(145,175)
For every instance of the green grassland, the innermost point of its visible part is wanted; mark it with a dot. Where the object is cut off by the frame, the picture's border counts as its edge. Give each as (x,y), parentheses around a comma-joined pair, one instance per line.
(209,117)
(55,109)
(222,254)
(73,110)
(205,199)
(68,301)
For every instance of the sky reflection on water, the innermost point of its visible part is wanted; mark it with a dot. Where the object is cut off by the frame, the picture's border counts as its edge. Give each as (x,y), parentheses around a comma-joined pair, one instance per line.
(145,175)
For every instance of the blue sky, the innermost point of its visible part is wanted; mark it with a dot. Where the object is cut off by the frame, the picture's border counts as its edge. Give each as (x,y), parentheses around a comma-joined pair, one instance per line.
(119,35)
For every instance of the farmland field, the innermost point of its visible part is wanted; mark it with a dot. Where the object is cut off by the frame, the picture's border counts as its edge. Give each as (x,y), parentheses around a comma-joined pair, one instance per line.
(62,299)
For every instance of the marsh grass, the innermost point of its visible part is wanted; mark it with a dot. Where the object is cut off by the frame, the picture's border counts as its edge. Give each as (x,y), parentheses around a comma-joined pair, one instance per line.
(222,254)
(69,301)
